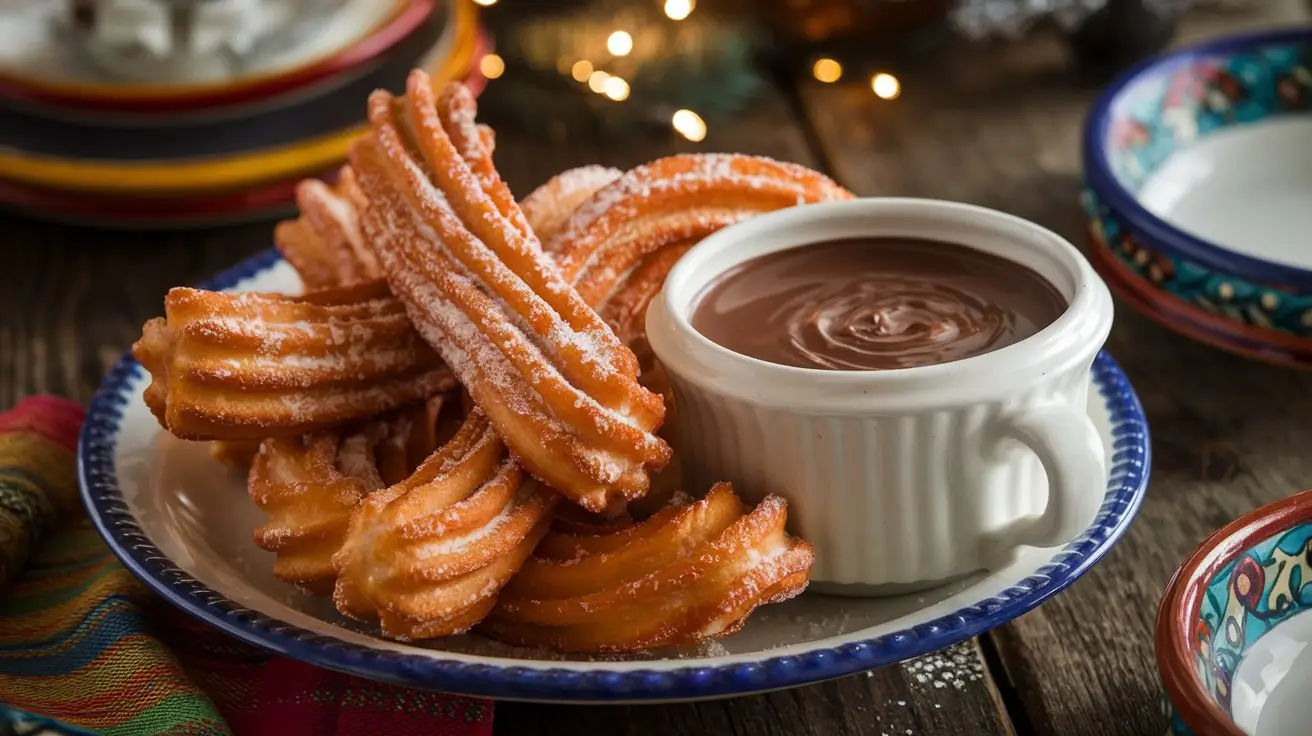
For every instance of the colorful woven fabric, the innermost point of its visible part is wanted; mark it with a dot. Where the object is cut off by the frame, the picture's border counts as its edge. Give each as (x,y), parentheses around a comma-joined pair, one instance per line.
(85,648)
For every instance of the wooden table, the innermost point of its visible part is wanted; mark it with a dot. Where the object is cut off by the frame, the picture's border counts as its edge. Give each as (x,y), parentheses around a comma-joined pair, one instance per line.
(995,127)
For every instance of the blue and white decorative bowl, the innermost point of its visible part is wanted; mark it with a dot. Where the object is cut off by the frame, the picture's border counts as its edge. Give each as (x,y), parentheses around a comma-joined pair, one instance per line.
(1198,188)
(1234,628)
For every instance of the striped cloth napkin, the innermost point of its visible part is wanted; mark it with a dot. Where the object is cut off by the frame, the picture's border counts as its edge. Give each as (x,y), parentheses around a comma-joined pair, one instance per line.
(86,649)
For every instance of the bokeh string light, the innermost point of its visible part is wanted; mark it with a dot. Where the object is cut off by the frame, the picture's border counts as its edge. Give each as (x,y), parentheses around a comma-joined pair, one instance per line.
(827,70)
(624,54)
(616,88)
(690,125)
(886,86)
(597,81)
(581,70)
(492,66)
(677,9)
(619,43)
(625,64)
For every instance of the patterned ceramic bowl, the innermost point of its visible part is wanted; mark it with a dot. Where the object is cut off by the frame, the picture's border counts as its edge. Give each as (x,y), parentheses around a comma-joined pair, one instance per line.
(1234,629)
(1198,179)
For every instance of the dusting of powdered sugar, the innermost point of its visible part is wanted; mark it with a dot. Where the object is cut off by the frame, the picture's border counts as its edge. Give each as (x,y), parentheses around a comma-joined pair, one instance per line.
(605,466)
(452,545)
(470,354)
(625,198)
(433,523)
(679,498)
(954,667)
(355,460)
(594,348)
(456,334)
(596,354)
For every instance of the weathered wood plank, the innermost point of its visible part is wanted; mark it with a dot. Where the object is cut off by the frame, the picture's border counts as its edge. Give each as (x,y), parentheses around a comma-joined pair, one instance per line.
(1000,127)
(72,300)
(942,694)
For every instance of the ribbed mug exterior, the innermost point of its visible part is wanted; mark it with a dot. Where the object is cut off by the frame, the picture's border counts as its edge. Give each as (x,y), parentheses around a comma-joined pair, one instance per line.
(886,499)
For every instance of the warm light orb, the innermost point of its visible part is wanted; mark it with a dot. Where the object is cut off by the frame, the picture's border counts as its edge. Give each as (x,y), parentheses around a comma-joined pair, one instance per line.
(616,88)
(690,125)
(620,43)
(486,3)
(886,86)
(492,66)
(581,70)
(827,71)
(597,81)
(679,9)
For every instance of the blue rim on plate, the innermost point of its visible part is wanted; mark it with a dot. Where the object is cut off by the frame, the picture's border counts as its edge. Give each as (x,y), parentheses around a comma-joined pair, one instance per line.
(1163,235)
(103,497)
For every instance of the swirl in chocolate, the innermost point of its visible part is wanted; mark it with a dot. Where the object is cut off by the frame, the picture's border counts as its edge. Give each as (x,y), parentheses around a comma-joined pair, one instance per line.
(875,304)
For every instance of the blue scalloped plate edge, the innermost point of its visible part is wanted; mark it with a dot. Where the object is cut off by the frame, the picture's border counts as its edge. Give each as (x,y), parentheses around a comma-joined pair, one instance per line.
(103,498)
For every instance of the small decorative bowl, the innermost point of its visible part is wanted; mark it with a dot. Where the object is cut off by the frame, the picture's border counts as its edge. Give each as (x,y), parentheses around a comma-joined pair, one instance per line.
(1234,628)
(1198,176)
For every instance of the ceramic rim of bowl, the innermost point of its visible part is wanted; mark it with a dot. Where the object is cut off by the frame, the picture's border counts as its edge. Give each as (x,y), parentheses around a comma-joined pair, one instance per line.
(1182,602)
(1176,315)
(404,19)
(1125,203)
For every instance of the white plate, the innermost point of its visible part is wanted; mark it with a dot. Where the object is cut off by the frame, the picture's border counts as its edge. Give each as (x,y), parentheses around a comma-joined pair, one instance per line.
(183,524)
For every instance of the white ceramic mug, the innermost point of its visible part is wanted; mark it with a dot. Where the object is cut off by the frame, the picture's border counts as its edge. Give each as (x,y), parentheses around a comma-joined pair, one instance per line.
(905,478)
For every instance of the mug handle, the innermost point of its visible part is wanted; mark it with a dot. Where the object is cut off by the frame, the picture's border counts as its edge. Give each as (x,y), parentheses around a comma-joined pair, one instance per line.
(1071,451)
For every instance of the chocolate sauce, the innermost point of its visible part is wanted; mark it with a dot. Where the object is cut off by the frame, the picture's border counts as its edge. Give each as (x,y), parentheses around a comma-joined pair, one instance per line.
(875,304)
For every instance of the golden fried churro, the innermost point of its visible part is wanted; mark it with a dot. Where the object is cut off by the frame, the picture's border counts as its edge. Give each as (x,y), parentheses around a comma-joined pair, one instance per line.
(428,556)
(549,207)
(465,481)
(553,379)
(252,366)
(325,244)
(689,573)
(674,201)
(309,487)
(236,454)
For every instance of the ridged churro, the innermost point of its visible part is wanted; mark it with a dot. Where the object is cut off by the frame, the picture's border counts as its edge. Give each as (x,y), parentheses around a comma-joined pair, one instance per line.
(551,376)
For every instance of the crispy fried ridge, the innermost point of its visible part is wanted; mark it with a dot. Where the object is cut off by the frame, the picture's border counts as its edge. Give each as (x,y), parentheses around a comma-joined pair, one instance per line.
(551,376)
(251,366)
(688,573)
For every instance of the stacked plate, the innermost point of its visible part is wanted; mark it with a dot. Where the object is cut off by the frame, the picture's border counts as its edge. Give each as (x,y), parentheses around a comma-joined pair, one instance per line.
(151,113)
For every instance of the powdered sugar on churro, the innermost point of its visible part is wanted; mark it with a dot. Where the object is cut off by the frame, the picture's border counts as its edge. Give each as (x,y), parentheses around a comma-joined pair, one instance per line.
(453,545)
(702,173)
(250,365)
(673,192)
(479,289)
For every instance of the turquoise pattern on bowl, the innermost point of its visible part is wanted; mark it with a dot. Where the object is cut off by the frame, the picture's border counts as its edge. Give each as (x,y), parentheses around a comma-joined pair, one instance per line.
(1215,648)
(1168,104)
(1265,586)
(1177,104)
(1260,305)
(1261,588)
